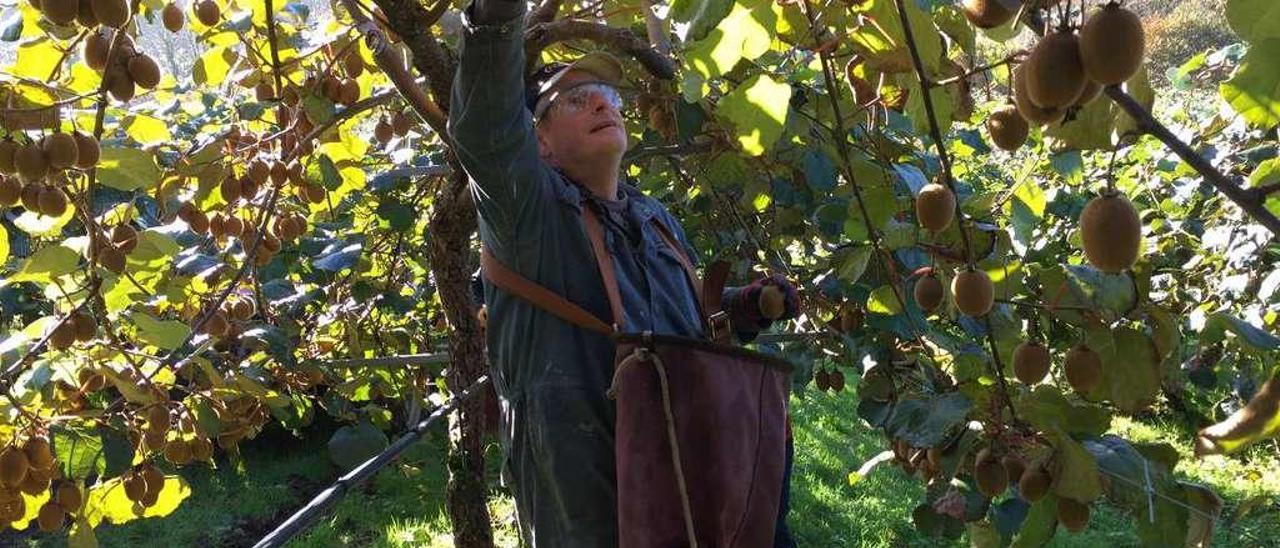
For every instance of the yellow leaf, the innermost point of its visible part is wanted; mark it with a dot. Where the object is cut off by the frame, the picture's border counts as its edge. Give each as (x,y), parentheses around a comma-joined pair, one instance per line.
(147,130)
(36,59)
(84,79)
(33,505)
(108,501)
(212,67)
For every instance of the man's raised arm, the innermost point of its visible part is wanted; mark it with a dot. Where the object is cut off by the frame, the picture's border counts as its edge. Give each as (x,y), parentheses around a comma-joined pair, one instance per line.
(488,121)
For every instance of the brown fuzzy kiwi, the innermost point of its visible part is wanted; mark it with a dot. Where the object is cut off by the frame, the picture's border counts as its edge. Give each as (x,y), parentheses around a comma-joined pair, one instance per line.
(88,152)
(1013,467)
(1111,232)
(63,336)
(973,292)
(111,259)
(12,506)
(1112,44)
(95,50)
(135,486)
(850,318)
(85,328)
(60,12)
(120,85)
(85,15)
(201,450)
(154,478)
(30,196)
(383,131)
(821,380)
(158,418)
(264,91)
(217,226)
(8,149)
(279,173)
(353,63)
(50,517)
(258,172)
(91,382)
(772,302)
(188,211)
(125,237)
(53,201)
(229,189)
(929,292)
(233,226)
(401,123)
(1083,368)
(350,92)
(1055,74)
(1034,483)
(37,482)
(249,189)
(177,452)
(69,497)
(244,309)
(60,150)
(986,14)
(10,191)
(990,475)
(1031,362)
(39,454)
(217,325)
(207,12)
(1092,90)
(1072,514)
(13,467)
(1008,129)
(31,163)
(111,13)
(314,193)
(173,17)
(935,207)
(836,380)
(1032,113)
(144,71)
(271,244)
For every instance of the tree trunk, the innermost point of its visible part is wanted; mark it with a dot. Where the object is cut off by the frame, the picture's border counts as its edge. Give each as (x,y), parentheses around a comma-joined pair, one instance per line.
(451,227)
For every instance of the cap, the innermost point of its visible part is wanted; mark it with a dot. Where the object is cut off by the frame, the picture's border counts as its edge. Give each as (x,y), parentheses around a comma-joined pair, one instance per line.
(600,64)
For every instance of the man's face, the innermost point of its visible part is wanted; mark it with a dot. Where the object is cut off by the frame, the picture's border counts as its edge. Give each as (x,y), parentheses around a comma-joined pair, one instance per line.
(593,129)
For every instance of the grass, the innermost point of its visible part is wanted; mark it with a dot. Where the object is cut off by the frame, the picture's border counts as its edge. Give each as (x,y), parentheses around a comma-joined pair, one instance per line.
(403,506)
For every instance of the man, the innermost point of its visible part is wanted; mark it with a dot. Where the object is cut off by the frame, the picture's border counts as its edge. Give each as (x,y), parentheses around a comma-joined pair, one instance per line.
(537,152)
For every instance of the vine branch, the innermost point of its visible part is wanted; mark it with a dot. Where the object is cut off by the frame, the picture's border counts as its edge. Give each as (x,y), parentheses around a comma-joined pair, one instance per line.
(539,36)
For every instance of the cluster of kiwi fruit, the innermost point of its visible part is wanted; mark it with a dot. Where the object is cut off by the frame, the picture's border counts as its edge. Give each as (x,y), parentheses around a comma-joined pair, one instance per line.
(129,68)
(1065,70)
(240,418)
(87,13)
(143,484)
(80,326)
(994,475)
(398,126)
(34,173)
(31,470)
(1082,366)
(972,290)
(206,11)
(828,381)
(227,321)
(848,317)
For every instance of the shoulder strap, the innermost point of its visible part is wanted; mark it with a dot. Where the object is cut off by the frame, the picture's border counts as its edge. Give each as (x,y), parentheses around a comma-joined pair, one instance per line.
(539,296)
(604,262)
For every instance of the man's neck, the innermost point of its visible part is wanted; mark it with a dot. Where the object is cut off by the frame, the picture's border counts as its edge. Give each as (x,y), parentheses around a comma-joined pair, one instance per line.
(601,180)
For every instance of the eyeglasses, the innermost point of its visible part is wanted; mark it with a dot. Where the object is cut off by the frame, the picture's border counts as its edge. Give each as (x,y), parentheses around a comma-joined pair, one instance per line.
(576,98)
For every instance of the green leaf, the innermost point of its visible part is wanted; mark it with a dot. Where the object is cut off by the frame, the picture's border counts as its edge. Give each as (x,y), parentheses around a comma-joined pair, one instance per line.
(48,263)
(79,454)
(883,301)
(758,110)
(164,334)
(1047,408)
(702,15)
(1076,471)
(1130,374)
(1131,474)
(1039,525)
(745,33)
(942,105)
(1218,323)
(1031,196)
(1267,172)
(926,422)
(1090,130)
(1138,87)
(1256,421)
(128,168)
(851,262)
(1165,331)
(354,444)
(1114,292)
(108,502)
(147,130)
(1254,89)
(1254,20)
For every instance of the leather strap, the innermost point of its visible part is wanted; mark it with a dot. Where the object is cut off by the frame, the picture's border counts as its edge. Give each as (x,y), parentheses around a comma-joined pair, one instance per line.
(713,286)
(604,261)
(670,240)
(539,296)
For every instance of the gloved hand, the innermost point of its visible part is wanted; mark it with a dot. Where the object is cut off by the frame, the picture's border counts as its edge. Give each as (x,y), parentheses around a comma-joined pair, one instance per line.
(768,299)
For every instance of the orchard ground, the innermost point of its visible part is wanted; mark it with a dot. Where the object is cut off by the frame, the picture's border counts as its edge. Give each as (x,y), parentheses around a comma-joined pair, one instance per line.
(404,504)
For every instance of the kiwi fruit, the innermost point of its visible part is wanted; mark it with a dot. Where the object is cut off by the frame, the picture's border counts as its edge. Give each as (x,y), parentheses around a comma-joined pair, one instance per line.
(158,418)
(12,506)
(233,226)
(39,454)
(177,452)
(935,207)
(69,497)
(207,12)
(50,517)
(121,85)
(822,380)
(229,189)
(1055,74)
(850,318)
(350,91)
(31,164)
(1013,467)
(279,173)
(36,483)
(201,449)
(973,292)
(13,467)
(1083,368)
(929,292)
(87,150)
(111,259)
(95,50)
(258,172)
(217,325)
(353,63)
(91,382)
(188,210)
(264,91)
(144,71)
(1092,90)
(60,150)
(1111,232)
(10,191)
(1033,483)
(401,123)
(125,237)
(990,475)
(53,201)
(244,309)
(1112,45)
(314,193)
(1008,129)
(63,336)
(773,303)
(172,17)
(217,226)
(85,15)
(60,12)
(383,131)
(1030,362)
(249,189)
(1072,514)
(986,14)
(30,196)
(836,381)
(84,326)
(1032,113)
(135,486)
(150,499)
(112,13)
(332,88)
(199,222)
(8,149)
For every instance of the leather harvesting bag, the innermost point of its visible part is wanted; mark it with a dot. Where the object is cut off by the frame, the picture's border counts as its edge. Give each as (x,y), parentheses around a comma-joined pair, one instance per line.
(700,425)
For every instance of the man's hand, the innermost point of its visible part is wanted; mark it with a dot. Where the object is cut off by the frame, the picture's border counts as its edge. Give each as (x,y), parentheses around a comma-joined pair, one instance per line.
(768,299)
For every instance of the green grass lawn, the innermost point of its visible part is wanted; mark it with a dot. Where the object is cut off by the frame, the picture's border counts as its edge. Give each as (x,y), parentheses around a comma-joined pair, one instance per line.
(403,505)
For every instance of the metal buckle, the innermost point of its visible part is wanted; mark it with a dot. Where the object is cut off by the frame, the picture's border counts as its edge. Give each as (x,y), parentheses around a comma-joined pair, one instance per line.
(719,324)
